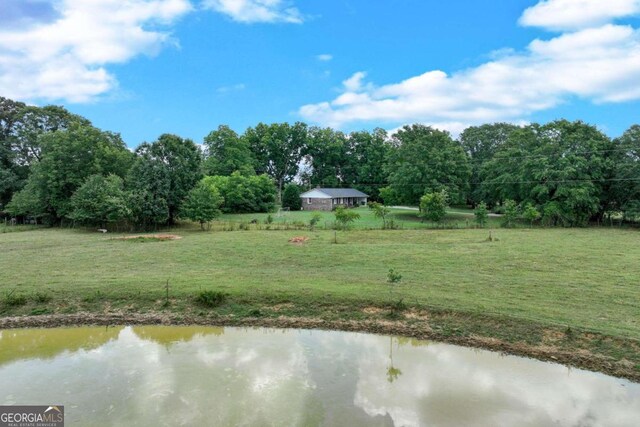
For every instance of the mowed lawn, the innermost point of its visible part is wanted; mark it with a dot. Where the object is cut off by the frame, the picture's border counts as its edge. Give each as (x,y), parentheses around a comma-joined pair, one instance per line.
(583,278)
(403,219)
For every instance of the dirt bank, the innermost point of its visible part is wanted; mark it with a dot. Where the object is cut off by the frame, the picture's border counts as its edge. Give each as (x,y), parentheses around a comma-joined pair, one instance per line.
(421,330)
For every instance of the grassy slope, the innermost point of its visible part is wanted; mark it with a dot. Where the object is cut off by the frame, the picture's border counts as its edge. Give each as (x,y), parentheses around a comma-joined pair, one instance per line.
(513,289)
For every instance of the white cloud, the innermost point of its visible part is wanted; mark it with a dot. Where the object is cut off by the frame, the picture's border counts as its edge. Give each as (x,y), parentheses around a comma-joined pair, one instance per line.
(251,11)
(233,88)
(576,14)
(66,58)
(600,64)
(324,57)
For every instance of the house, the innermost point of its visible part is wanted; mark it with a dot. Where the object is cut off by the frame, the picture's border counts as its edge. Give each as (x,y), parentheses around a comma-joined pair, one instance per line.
(327,199)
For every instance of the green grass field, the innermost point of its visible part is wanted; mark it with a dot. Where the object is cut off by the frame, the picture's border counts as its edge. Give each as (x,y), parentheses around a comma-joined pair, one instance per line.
(403,219)
(579,279)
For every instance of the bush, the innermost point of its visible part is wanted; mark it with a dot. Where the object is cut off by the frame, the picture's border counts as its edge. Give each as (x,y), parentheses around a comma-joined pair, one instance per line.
(211,298)
(41,297)
(531,214)
(14,300)
(481,213)
(433,206)
(291,197)
(344,217)
(244,194)
(315,219)
(202,205)
(510,213)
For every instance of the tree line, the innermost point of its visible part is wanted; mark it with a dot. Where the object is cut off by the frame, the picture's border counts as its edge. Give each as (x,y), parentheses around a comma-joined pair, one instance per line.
(56,167)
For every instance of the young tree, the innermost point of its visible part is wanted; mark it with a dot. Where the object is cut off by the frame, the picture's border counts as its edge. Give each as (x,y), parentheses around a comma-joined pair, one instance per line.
(510,213)
(100,201)
(530,213)
(226,153)
(427,160)
(481,213)
(344,217)
(202,205)
(291,197)
(380,211)
(433,206)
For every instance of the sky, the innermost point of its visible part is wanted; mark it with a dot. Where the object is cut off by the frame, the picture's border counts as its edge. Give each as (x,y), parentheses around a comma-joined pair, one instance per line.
(147,67)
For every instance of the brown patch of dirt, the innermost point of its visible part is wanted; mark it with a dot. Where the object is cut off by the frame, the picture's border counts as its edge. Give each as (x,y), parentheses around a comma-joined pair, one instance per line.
(280,307)
(298,240)
(418,329)
(551,336)
(372,310)
(416,314)
(151,237)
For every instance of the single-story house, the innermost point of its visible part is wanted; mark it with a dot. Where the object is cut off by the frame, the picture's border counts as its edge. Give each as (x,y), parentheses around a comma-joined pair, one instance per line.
(327,199)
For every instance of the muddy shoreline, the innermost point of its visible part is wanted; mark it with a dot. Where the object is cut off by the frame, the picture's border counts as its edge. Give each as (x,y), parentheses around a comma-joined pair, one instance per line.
(577,359)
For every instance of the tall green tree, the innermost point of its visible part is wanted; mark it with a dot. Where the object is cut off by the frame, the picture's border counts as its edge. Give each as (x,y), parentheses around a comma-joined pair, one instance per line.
(291,197)
(36,121)
(564,163)
(481,143)
(10,175)
(100,200)
(368,153)
(168,169)
(624,191)
(68,157)
(226,152)
(427,160)
(327,154)
(278,149)
(244,194)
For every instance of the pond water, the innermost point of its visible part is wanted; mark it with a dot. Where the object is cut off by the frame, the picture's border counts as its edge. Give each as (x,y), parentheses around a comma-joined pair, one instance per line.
(157,375)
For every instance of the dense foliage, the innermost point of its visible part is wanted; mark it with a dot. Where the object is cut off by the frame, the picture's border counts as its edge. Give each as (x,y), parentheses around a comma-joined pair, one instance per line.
(244,194)
(202,204)
(291,197)
(56,167)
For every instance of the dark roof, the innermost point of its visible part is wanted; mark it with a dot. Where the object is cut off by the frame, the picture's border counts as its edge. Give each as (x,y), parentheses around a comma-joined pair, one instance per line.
(342,192)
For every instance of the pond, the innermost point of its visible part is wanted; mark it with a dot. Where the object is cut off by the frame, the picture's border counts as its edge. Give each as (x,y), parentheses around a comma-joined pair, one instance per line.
(158,375)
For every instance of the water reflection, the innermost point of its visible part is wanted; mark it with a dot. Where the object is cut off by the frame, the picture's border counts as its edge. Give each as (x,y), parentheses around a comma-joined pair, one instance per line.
(257,377)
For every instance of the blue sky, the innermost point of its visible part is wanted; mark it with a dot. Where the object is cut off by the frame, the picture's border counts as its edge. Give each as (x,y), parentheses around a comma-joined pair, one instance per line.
(146,67)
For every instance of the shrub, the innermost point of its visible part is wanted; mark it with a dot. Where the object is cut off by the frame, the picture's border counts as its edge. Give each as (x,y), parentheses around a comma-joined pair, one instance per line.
(531,214)
(244,194)
(41,297)
(344,217)
(510,213)
(315,219)
(14,300)
(211,298)
(481,213)
(291,197)
(433,206)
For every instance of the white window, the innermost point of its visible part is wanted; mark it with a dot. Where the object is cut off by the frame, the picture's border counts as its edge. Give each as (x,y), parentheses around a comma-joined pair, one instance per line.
(308,200)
